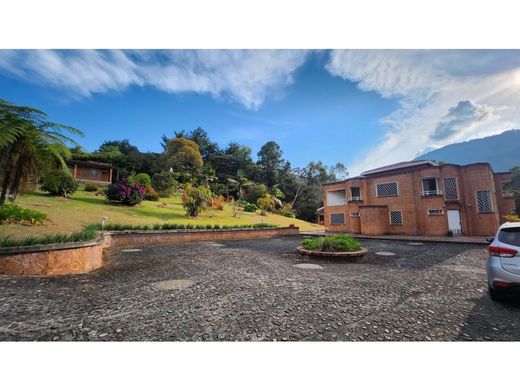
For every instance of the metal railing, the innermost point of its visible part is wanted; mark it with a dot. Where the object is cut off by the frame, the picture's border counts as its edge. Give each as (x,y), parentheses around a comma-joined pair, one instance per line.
(431,193)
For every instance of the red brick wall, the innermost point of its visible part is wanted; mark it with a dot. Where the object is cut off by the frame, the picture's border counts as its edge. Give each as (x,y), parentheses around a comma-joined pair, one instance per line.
(415,206)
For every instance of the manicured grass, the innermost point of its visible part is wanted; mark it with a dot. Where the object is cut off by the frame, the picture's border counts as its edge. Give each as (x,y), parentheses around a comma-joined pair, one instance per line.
(84,208)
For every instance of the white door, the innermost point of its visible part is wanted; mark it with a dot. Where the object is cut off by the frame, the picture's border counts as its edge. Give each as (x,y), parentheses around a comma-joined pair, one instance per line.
(454,221)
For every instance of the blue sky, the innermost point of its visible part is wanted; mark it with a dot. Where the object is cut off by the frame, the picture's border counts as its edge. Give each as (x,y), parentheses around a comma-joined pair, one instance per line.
(364,108)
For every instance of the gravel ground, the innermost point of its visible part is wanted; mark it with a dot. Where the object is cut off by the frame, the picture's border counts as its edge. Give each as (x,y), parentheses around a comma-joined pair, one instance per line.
(250,290)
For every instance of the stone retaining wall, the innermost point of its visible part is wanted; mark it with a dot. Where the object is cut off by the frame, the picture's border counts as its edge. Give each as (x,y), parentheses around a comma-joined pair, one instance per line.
(164,237)
(74,258)
(53,259)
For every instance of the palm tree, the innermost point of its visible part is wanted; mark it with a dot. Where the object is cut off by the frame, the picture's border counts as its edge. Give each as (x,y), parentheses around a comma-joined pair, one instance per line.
(29,146)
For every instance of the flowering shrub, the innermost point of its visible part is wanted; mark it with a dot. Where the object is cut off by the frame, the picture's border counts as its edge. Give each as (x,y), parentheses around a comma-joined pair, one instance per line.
(150,194)
(127,194)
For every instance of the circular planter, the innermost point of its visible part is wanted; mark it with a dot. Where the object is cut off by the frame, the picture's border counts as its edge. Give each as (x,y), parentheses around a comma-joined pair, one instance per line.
(353,254)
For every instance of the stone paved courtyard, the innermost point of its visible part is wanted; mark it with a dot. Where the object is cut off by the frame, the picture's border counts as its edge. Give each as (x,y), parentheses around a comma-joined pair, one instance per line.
(251,290)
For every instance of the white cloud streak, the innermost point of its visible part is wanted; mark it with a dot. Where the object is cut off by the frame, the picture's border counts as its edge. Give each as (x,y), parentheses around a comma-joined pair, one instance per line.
(244,76)
(444,96)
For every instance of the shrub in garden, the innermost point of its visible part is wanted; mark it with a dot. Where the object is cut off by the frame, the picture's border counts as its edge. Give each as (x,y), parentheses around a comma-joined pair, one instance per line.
(126,193)
(337,243)
(59,182)
(266,204)
(11,213)
(250,208)
(195,199)
(150,194)
(91,187)
(141,178)
(87,234)
(287,211)
(511,218)
(217,202)
(165,184)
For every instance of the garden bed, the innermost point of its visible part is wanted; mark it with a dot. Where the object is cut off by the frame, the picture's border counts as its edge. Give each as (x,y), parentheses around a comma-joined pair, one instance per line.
(359,253)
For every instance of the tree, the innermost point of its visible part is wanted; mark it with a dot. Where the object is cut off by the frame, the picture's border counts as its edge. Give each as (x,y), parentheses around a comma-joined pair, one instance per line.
(195,199)
(270,160)
(183,156)
(30,145)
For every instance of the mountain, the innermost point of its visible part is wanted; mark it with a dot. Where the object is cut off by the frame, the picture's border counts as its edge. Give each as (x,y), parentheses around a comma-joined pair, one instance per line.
(502,151)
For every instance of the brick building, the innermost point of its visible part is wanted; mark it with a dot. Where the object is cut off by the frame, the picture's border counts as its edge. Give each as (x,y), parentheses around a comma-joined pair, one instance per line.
(91,172)
(419,198)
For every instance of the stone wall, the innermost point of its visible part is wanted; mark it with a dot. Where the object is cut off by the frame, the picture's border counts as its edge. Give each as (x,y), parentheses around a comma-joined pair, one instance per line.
(74,258)
(54,259)
(164,237)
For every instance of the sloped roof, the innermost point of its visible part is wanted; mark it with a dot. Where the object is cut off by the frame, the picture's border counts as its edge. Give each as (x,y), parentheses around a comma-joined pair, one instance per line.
(400,165)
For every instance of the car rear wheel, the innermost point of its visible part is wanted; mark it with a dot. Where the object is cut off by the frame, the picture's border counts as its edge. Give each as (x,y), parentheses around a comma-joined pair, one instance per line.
(496,295)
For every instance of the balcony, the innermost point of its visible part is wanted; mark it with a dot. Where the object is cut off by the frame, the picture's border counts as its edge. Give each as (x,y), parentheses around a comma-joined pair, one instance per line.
(431,193)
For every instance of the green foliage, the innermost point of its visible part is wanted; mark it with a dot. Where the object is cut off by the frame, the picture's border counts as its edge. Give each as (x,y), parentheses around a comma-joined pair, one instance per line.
(59,182)
(30,145)
(511,218)
(165,184)
(195,199)
(173,226)
(87,234)
(91,187)
(255,191)
(250,207)
(11,213)
(287,211)
(337,243)
(183,156)
(141,178)
(266,204)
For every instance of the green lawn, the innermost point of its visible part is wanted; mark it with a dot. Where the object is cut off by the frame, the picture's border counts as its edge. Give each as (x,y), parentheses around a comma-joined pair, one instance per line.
(83,208)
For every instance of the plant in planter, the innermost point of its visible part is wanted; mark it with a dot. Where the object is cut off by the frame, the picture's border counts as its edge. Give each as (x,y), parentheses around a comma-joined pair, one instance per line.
(337,243)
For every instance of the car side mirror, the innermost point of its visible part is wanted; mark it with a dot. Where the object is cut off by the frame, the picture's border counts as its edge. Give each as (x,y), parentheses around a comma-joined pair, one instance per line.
(490,239)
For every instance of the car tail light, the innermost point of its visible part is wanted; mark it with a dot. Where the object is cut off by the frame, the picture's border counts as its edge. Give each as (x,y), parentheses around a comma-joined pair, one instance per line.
(501,284)
(500,251)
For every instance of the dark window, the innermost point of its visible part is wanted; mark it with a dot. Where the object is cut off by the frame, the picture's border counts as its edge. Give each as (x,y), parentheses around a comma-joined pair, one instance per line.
(355,193)
(509,236)
(430,186)
(337,219)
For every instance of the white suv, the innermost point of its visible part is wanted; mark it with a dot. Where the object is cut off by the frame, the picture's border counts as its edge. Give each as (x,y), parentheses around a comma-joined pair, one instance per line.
(503,269)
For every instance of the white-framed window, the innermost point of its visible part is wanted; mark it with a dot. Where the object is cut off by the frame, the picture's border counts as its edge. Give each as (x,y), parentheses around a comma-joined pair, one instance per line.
(484,202)
(337,219)
(450,188)
(354,214)
(387,189)
(396,217)
(433,212)
(336,198)
(430,188)
(94,172)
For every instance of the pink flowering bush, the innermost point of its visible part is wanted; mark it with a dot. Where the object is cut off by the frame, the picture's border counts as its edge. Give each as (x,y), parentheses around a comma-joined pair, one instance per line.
(126,193)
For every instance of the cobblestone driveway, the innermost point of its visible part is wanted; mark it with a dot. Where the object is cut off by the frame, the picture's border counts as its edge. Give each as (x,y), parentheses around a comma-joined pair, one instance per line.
(250,290)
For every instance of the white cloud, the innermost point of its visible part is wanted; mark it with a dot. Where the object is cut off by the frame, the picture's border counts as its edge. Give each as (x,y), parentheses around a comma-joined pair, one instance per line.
(245,76)
(444,96)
